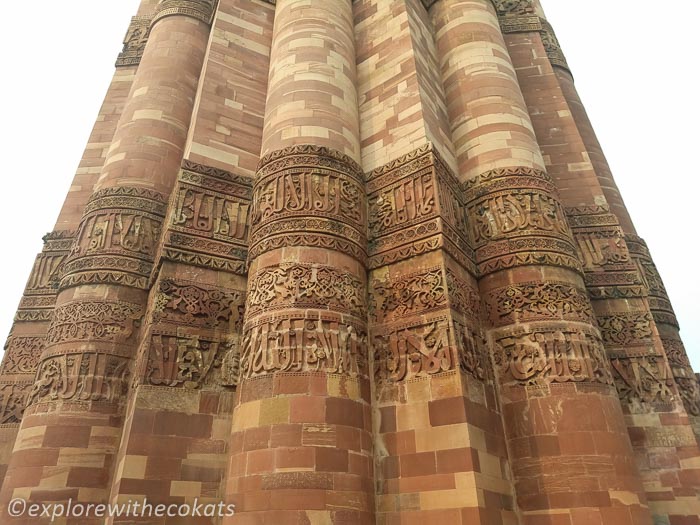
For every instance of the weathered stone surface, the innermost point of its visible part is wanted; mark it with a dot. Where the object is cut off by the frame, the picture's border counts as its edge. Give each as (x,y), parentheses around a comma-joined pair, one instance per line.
(348,263)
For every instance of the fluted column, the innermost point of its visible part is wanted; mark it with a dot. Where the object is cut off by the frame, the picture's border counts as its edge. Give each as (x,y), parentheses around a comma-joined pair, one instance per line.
(301,437)
(562,417)
(72,426)
(659,428)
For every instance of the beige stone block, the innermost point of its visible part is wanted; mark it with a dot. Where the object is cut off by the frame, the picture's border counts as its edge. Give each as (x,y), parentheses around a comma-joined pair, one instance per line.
(31,437)
(412,416)
(274,411)
(246,415)
(185,488)
(79,457)
(134,467)
(54,477)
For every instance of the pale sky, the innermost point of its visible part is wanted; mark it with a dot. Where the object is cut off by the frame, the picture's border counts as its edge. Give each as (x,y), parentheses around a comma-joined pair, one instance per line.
(635,69)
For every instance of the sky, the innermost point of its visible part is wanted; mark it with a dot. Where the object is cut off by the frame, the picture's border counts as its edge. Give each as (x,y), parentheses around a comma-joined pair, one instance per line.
(635,69)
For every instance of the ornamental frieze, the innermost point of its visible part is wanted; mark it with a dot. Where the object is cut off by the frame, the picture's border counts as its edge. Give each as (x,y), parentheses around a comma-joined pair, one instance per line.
(189,303)
(543,356)
(308,192)
(515,212)
(210,214)
(303,344)
(94,321)
(625,329)
(22,354)
(408,352)
(81,377)
(134,41)
(202,10)
(408,295)
(306,286)
(406,202)
(525,302)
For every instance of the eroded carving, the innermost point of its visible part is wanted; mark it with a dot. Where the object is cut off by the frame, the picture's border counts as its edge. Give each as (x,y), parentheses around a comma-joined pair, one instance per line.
(81,377)
(134,41)
(12,402)
(545,356)
(404,353)
(642,380)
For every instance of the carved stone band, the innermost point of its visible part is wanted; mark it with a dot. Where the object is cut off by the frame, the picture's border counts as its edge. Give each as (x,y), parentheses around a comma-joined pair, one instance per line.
(117,238)
(515,219)
(303,184)
(202,10)
(552,354)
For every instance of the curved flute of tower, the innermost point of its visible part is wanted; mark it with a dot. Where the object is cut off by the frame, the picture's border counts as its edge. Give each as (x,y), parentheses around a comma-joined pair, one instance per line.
(72,425)
(555,382)
(301,448)
(657,421)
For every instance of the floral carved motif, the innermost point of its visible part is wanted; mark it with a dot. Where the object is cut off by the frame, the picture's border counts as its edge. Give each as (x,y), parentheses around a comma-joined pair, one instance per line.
(303,286)
(514,7)
(22,354)
(134,41)
(625,328)
(543,357)
(529,301)
(303,345)
(464,298)
(689,389)
(411,294)
(186,303)
(93,320)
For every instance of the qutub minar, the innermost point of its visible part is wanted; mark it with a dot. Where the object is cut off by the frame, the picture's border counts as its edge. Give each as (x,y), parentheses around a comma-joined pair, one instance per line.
(345,262)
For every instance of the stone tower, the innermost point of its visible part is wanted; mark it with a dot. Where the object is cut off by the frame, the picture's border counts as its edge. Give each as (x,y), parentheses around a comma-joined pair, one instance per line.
(345,262)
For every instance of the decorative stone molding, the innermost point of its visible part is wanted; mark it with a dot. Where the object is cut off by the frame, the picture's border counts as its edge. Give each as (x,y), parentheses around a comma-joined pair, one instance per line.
(310,196)
(134,42)
(202,10)
(539,357)
(303,342)
(515,219)
(416,206)
(117,238)
(209,219)
(552,46)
